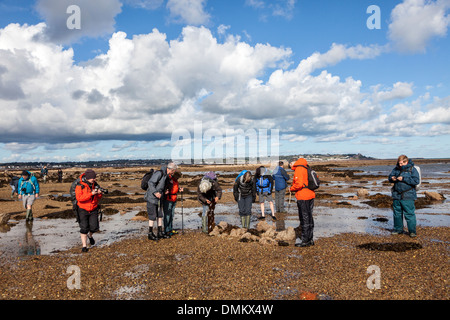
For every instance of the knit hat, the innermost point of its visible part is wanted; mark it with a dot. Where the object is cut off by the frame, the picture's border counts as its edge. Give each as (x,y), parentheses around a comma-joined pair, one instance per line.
(211,175)
(90,174)
(25,173)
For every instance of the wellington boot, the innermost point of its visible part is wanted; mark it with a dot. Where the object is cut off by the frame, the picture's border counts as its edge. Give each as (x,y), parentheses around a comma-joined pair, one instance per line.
(243,222)
(29,215)
(247,222)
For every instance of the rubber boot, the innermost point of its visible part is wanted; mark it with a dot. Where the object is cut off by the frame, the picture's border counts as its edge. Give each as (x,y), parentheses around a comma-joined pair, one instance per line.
(29,215)
(161,234)
(243,222)
(151,235)
(247,222)
(205,223)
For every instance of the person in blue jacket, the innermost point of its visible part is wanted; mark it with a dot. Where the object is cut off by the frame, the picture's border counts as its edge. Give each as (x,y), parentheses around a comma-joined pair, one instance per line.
(28,192)
(280,177)
(264,188)
(405,178)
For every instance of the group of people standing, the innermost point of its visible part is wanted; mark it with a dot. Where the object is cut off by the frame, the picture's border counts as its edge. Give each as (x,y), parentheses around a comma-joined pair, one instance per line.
(163,187)
(263,183)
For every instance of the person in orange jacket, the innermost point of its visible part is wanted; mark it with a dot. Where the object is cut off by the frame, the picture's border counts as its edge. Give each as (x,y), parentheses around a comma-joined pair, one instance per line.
(88,195)
(171,202)
(305,201)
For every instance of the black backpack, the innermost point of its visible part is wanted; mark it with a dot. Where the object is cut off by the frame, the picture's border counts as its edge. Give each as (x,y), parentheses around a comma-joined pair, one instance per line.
(313,178)
(145,178)
(72,189)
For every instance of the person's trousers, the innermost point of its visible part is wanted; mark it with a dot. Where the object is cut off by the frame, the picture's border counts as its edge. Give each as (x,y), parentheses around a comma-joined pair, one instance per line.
(245,205)
(88,221)
(153,211)
(169,211)
(279,200)
(404,208)
(305,214)
(205,218)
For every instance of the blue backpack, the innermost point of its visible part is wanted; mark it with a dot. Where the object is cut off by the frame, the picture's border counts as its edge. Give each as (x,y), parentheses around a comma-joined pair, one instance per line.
(263,184)
(240,174)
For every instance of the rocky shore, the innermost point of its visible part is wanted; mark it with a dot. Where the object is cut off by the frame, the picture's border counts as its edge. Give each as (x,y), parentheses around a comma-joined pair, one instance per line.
(228,265)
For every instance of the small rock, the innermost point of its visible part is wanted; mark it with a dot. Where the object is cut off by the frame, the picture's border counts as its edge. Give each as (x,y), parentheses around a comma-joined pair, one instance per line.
(223,225)
(139,218)
(286,235)
(263,226)
(270,233)
(215,231)
(434,196)
(237,232)
(268,241)
(4,217)
(362,193)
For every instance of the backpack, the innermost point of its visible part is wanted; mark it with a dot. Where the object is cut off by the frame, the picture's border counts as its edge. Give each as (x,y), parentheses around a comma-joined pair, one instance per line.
(240,174)
(74,184)
(263,184)
(420,177)
(313,178)
(145,178)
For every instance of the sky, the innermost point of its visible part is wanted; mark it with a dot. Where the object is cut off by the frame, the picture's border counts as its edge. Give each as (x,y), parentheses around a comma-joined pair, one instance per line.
(147,79)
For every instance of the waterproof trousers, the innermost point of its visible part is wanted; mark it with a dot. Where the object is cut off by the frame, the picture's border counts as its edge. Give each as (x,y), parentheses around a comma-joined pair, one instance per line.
(245,205)
(404,208)
(305,214)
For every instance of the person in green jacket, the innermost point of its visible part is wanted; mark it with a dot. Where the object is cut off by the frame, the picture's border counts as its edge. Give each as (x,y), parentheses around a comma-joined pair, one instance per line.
(405,178)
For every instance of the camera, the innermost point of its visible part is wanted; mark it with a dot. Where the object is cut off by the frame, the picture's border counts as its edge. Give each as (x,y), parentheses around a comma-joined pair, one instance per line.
(104,191)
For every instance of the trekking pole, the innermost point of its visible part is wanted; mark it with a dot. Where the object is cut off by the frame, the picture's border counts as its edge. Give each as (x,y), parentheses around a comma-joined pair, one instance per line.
(182,214)
(289,204)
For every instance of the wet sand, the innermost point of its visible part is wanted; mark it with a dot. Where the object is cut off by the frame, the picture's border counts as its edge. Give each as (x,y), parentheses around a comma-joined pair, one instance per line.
(193,265)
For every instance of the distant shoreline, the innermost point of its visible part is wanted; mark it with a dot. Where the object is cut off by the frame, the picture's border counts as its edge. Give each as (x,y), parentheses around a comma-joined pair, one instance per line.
(124,163)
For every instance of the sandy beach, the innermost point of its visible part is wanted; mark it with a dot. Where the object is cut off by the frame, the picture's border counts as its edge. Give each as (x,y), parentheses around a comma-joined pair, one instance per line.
(352,238)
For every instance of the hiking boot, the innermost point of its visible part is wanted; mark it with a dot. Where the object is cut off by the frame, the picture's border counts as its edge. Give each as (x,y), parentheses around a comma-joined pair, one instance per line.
(305,244)
(161,234)
(151,235)
(413,235)
(394,233)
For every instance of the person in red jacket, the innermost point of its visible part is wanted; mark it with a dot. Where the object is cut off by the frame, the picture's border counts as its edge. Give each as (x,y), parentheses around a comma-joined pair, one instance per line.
(305,201)
(88,195)
(171,202)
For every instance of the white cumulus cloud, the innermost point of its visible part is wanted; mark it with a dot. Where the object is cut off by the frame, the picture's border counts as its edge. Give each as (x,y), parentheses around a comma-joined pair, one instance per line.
(414,23)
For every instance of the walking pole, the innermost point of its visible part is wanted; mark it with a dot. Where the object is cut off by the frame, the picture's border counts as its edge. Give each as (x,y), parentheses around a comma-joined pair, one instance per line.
(182,214)
(289,205)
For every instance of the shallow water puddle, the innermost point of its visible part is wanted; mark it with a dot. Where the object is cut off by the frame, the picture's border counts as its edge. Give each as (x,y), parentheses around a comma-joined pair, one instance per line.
(47,236)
